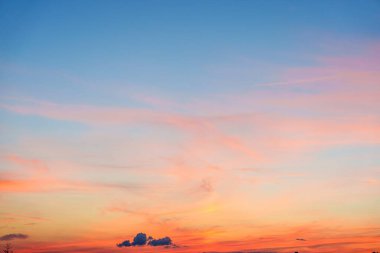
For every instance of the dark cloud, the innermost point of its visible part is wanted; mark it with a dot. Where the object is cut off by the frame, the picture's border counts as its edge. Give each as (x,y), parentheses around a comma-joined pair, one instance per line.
(10,237)
(300,239)
(141,239)
(160,242)
(126,243)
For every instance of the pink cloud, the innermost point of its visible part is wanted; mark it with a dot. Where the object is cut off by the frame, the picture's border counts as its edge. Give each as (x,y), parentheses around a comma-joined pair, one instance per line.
(29,164)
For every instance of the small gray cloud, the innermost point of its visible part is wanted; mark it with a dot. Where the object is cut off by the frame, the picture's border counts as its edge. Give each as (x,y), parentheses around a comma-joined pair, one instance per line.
(10,237)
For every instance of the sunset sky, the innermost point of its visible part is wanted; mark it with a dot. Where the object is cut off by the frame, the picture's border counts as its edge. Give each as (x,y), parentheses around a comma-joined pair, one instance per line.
(224,125)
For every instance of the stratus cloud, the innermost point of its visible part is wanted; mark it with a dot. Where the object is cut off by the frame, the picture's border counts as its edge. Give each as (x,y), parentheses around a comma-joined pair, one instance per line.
(10,237)
(141,240)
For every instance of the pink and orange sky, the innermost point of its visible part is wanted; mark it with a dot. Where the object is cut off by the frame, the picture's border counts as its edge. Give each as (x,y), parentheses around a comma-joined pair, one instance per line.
(228,126)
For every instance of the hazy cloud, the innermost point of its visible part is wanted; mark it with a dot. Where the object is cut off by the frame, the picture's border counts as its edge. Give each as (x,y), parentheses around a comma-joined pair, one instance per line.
(206,185)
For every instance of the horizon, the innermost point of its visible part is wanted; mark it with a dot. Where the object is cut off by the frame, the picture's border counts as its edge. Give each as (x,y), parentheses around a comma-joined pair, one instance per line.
(190,126)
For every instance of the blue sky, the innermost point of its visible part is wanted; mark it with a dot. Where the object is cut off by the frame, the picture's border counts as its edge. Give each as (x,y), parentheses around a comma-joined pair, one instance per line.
(171,44)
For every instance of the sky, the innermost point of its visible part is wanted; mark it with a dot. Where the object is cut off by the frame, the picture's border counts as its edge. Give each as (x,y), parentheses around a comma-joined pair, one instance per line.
(227,126)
